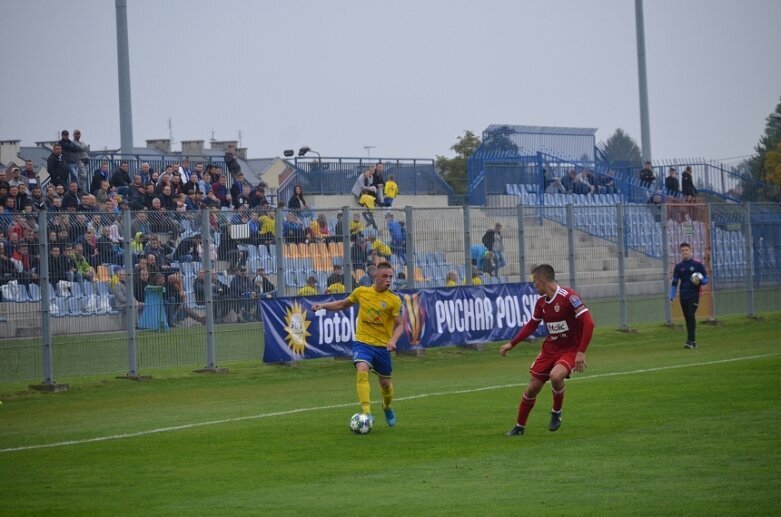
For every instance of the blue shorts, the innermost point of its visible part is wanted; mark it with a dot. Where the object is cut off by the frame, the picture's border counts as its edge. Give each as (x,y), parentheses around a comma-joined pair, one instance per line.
(377,357)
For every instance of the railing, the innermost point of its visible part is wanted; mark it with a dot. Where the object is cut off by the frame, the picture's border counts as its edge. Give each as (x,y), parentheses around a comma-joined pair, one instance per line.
(90,322)
(322,176)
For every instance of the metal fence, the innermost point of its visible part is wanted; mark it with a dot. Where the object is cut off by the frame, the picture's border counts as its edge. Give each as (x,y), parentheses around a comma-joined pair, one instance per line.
(319,176)
(88,293)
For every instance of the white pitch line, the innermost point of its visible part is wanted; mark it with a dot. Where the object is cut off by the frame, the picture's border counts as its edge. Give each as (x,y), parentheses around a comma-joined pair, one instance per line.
(348,404)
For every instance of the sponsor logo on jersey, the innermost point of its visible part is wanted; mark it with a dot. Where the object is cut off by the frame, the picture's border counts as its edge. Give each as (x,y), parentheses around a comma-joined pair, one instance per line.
(557,327)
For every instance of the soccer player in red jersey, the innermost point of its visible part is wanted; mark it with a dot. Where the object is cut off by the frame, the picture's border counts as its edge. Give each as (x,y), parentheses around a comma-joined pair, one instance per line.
(569,333)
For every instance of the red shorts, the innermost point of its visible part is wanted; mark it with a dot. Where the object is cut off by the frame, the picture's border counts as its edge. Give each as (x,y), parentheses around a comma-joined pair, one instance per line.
(545,361)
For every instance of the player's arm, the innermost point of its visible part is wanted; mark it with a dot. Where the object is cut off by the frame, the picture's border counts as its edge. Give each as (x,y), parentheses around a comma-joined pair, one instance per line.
(334,305)
(526,331)
(586,331)
(397,330)
(674,285)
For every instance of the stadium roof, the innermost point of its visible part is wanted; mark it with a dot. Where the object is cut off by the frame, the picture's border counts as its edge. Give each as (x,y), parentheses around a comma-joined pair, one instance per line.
(543,130)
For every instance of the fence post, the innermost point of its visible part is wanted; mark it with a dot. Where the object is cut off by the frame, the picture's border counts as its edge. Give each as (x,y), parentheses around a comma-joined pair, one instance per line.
(208,294)
(47,383)
(621,268)
(668,315)
(467,246)
(280,244)
(409,215)
(709,229)
(130,310)
(571,246)
(748,235)
(521,243)
(347,256)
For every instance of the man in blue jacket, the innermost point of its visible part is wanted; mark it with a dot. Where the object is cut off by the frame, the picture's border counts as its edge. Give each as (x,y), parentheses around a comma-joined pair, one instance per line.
(692,276)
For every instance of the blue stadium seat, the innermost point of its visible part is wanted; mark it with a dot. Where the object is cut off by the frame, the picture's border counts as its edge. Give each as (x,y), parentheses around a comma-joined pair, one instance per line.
(291,279)
(34,292)
(74,307)
(62,308)
(76,290)
(102,289)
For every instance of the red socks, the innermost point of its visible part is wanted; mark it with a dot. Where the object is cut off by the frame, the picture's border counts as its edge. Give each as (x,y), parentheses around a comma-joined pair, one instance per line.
(524,409)
(558,399)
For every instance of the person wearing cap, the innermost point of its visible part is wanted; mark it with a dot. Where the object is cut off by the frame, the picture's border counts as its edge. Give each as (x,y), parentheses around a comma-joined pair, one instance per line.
(310,288)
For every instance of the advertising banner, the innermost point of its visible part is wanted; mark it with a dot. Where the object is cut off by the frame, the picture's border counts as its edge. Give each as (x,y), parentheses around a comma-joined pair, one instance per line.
(431,318)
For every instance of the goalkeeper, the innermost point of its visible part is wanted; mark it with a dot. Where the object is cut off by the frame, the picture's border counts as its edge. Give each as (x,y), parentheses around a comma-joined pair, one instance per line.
(692,276)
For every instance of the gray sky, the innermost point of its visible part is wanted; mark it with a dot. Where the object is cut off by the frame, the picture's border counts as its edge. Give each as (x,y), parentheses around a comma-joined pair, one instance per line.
(406,76)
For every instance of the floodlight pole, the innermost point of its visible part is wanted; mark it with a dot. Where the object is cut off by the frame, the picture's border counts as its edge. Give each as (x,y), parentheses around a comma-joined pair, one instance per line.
(123,72)
(645,126)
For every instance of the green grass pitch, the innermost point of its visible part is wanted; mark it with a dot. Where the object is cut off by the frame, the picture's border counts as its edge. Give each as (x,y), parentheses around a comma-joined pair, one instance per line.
(649,429)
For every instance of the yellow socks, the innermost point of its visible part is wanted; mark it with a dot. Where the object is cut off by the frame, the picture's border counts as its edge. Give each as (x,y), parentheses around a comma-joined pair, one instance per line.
(387,396)
(364,392)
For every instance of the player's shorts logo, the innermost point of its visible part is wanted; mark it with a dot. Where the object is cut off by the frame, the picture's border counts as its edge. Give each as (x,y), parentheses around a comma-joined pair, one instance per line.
(414,318)
(297,328)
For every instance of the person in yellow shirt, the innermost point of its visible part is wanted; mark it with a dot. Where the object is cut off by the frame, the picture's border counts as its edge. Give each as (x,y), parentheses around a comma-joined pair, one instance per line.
(310,288)
(356,226)
(391,190)
(476,278)
(451,279)
(335,288)
(267,228)
(369,201)
(377,248)
(378,328)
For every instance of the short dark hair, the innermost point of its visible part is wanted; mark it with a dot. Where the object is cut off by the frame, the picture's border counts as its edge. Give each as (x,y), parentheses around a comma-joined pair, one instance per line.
(685,245)
(545,272)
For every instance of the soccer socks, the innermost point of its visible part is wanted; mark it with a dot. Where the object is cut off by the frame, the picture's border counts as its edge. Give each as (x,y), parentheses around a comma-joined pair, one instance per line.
(364,392)
(387,396)
(558,399)
(525,408)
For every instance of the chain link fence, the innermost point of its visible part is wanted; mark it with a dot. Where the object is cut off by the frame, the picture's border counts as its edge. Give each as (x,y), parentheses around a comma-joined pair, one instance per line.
(95,292)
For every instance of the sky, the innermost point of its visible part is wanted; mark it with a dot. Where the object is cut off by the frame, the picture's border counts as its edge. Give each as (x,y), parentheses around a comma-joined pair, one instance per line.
(393,79)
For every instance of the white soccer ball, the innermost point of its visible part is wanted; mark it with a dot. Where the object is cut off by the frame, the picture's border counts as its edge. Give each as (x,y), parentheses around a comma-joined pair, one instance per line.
(696,278)
(360,423)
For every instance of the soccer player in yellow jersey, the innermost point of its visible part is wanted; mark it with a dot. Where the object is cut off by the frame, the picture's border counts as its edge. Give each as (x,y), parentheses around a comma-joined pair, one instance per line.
(377,330)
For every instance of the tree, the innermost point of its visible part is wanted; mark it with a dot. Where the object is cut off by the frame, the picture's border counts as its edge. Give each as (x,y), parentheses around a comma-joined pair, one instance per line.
(764,166)
(621,149)
(454,170)
(499,141)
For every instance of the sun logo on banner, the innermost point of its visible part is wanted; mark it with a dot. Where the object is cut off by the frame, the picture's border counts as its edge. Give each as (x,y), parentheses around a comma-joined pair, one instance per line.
(297,328)
(414,318)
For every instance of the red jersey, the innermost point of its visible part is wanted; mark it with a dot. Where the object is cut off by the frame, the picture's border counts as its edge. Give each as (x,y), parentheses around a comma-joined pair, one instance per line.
(560,315)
